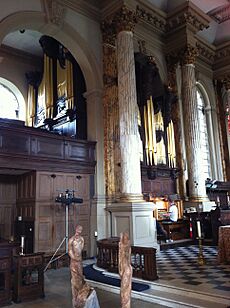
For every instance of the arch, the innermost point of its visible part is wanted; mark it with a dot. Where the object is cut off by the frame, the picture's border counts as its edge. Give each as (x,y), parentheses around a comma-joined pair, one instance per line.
(66,35)
(209,127)
(18,95)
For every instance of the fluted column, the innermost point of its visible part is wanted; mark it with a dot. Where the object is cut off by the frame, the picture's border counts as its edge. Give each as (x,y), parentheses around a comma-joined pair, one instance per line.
(196,180)
(128,123)
(227,87)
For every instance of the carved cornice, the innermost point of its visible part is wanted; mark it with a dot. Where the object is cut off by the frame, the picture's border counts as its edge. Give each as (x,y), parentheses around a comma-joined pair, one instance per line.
(223,52)
(187,15)
(206,52)
(188,55)
(221,13)
(125,19)
(152,18)
(6,51)
(83,7)
(54,11)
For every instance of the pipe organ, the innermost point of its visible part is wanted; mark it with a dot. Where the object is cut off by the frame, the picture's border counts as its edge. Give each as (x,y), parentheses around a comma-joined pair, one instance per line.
(55,95)
(156,128)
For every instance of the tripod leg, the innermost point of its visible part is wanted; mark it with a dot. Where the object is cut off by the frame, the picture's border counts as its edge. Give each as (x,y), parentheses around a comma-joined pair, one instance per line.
(52,258)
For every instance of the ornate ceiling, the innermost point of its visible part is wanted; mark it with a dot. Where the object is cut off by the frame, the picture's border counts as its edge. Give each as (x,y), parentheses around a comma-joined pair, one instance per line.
(217,32)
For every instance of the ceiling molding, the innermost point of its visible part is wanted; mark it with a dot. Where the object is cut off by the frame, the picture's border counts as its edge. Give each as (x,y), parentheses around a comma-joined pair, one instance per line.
(187,15)
(6,51)
(206,51)
(222,60)
(152,18)
(82,7)
(220,14)
(54,11)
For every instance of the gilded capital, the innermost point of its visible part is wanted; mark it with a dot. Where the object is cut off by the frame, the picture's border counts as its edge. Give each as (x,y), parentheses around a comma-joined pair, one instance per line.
(108,32)
(226,82)
(125,19)
(188,55)
(172,62)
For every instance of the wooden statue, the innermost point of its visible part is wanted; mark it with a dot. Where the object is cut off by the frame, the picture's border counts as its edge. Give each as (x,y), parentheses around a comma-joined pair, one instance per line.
(80,289)
(125,270)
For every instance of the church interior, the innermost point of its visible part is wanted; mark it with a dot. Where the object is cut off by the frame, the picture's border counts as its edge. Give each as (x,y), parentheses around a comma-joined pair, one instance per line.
(112,113)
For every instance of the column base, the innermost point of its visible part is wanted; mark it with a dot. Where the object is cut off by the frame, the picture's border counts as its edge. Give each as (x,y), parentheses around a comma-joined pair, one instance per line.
(131,198)
(137,219)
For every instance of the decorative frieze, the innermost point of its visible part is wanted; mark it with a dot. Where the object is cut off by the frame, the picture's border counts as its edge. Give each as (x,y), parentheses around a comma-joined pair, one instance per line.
(188,15)
(223,52)
(55,12)
(154,18)
(221,13)
(205,52)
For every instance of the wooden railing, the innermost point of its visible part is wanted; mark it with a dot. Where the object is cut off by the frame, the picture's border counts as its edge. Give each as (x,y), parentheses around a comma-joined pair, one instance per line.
(143,259)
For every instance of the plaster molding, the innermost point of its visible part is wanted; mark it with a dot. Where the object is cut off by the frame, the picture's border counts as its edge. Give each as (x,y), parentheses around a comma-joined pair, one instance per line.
(152,18)
(24,56)
(82,7)
(222,60)
(206,52)
(187,15)
(54,11)
(221,13)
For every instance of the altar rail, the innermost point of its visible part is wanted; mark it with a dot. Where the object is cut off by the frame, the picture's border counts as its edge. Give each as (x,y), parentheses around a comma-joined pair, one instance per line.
(143,259)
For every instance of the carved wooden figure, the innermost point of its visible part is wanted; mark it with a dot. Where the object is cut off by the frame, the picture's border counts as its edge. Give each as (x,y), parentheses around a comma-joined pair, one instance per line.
(125,270)
(80,289)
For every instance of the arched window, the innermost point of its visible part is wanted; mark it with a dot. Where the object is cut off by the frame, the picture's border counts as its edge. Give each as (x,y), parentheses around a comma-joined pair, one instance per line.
(12,105)
(205,149)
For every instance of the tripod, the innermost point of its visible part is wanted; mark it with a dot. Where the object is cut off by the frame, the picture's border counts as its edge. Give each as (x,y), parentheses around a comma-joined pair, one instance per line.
(66,199)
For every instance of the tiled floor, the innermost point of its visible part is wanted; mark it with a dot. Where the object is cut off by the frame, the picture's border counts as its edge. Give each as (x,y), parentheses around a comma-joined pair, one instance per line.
(179,267)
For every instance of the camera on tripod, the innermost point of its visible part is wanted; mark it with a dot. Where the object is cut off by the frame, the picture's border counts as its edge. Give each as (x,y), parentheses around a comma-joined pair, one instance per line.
(68,198)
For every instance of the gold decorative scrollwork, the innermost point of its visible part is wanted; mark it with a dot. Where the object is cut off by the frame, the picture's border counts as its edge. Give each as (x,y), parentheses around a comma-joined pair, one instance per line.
(125,19)
(188,55)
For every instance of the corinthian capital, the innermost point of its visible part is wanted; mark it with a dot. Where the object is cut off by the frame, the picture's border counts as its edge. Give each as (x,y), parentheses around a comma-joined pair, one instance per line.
(188,55)
(125,19)
(226,82)
(108,32)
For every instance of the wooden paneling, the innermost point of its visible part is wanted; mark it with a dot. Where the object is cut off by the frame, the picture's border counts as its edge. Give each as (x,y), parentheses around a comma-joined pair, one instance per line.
(33,149)
(159,186)
(50,216)
(7,206)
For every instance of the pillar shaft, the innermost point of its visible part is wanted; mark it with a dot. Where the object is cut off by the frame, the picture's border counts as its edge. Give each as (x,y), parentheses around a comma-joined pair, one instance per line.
(129,135)
(196,180)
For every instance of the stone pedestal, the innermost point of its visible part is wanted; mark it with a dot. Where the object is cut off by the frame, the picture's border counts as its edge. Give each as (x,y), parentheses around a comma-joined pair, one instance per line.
(135,218)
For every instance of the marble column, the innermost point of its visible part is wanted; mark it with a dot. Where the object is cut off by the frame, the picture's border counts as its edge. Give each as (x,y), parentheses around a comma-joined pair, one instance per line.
(128,116)
(196,180)
(129,213)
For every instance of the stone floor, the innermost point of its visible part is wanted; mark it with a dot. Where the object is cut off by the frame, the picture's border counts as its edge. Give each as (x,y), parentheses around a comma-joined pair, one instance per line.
(182,283)
(58,294)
